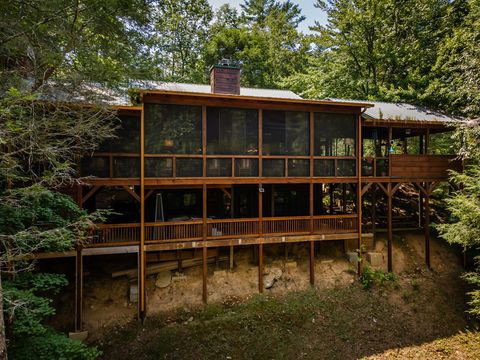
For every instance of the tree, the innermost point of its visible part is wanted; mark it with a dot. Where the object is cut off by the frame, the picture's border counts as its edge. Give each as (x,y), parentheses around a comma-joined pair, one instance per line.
(464,205)
(181,30)
(374,49)
(456,87)
(268,45)
(92,40)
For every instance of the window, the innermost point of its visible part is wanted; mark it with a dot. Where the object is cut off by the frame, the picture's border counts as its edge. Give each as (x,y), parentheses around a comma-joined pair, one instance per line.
(246,167)
(173,129)
(285,133)
(126,167)
(127,138)
(219,167)
(232,131)
(158,167)
(298,167)
(273,167)
(95,166)
(324,167)
(187,167)
(335,134)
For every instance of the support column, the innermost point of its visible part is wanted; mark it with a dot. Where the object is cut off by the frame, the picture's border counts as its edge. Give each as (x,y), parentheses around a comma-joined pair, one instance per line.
(427,226)
(78,290)
(389,228)
(141,251)
(260,268)
(374,212)
(359,193)
(312,263)
(204,250)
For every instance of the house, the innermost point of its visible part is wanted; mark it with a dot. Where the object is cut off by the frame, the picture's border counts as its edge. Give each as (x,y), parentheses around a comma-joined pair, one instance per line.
(206,166)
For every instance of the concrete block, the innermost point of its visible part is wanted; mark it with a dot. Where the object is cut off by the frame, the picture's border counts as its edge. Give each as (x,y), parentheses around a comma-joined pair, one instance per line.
(79,335)
(375,258)
(352,257)
(133,293)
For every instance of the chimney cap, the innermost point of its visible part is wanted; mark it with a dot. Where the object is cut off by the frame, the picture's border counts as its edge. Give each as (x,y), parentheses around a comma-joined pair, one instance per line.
(225,64)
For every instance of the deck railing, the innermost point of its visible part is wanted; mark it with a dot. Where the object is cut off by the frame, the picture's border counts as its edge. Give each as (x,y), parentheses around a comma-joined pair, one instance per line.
(129,234)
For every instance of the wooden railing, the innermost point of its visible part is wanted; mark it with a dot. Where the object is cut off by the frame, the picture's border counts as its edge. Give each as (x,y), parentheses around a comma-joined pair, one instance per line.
(127,234)
(423,166)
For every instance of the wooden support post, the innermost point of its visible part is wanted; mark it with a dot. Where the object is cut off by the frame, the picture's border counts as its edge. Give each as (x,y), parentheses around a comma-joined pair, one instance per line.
(204,253)
(420,208)
(374,212)
(389,228)
(427,227)
(179,260)
(231,258)
(358,153)
(312,263)
(260,268)
(78,290)
(141,251)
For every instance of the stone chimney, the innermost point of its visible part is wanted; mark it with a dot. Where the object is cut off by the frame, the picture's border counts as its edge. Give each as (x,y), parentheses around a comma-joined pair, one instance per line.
(225,78)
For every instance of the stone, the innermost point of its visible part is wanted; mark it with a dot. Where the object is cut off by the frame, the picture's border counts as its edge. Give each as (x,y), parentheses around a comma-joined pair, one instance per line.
(273,275)
(179,277)
(133,293)
(327,261)
(78,335)
(163,280)
(220,273)
(375,258)
(291,265)
(352,257)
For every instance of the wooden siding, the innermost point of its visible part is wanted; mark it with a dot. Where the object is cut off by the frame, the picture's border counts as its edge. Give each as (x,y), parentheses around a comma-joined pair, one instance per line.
(423,166)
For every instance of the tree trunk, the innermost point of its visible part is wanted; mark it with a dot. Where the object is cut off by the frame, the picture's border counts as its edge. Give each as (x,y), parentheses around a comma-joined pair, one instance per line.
(3,342)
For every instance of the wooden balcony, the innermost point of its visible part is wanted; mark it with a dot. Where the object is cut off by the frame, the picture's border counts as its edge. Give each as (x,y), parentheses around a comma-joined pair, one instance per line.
(107,235)
(423,166)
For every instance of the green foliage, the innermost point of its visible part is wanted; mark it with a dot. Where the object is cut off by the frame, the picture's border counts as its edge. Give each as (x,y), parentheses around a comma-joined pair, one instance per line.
(26,305)
(377,277)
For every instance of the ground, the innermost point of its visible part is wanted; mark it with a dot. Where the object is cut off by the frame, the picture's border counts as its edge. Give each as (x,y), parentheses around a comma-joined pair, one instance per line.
(420,314)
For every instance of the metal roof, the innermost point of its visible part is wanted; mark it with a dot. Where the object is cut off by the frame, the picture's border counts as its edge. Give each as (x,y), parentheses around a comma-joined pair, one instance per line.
(403,112)
(205,89)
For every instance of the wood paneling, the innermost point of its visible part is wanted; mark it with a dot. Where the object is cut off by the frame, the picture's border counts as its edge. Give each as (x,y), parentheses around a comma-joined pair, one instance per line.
(423,166)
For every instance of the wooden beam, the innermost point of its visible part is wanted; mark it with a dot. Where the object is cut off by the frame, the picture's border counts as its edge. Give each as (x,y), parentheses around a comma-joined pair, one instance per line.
(395,188)
(260,268)
(142,306)
(149,193)
(427,230)
(359,192)
(312,263)
(389,229)
(366,187)
(385,190)
(78,290)
(90,193)
(204,238)
(131,192)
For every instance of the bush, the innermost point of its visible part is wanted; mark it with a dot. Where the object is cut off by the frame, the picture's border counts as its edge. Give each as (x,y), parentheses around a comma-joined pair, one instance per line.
(371,277)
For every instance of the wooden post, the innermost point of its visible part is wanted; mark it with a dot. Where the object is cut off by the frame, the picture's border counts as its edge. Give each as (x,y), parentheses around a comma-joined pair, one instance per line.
(427,226)
(231,258)
(359,193)
(78,290)
(204,252)
(260,268)
(374,212)
(312,263)
(389,228)
(141,251)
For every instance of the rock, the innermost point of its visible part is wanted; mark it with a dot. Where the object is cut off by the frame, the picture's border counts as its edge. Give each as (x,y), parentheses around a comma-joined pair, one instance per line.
(220,273)
(273,275)
(352,257)
(327,261)
(291,265)
(179,277)
(79,335)
(375,258)
(164,279)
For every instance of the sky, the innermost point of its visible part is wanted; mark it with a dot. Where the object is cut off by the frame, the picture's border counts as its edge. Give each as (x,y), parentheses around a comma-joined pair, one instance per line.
(312,13)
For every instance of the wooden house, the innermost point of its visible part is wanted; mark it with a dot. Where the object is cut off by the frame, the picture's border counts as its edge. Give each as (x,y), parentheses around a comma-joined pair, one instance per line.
(198,166)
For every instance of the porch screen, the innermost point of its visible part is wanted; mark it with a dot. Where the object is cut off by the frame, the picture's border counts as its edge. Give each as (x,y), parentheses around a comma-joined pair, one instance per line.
(334,134)
(232,131)
(173,129)
(127,138)
(285,133)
